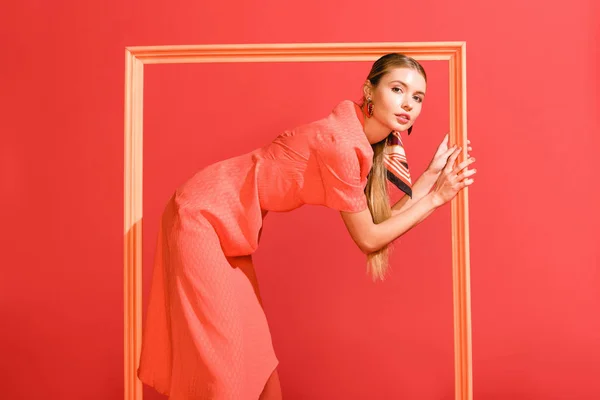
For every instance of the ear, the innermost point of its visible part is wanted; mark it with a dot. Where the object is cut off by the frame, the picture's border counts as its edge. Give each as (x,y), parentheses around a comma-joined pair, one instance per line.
(368,89)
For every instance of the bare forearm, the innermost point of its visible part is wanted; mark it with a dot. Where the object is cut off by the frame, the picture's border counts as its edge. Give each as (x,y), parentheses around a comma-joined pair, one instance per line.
(419,190)
(400,223)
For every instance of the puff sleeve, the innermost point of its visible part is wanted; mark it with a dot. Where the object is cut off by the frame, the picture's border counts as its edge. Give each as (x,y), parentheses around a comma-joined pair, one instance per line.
(344,168)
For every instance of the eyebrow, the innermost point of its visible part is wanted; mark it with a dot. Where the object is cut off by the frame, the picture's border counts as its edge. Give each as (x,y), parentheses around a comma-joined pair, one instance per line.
(405,85)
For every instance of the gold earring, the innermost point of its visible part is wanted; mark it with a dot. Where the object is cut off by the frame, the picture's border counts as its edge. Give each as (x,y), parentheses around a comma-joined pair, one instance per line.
(369,107)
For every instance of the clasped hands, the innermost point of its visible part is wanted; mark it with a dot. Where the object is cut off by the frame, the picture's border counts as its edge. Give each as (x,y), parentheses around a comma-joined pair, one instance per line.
(451,177)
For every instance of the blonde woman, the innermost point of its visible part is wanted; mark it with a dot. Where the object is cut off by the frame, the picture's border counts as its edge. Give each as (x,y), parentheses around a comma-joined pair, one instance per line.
(206,335)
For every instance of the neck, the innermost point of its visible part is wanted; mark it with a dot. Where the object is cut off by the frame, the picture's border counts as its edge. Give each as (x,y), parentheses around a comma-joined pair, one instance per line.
(374,130)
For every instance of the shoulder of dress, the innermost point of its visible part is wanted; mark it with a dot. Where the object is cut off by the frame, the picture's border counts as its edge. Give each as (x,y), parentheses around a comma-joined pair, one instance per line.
(344,125)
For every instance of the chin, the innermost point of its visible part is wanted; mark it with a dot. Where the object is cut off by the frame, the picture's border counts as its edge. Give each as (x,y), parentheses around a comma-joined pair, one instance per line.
(394,126)
(400,128)
(405,128)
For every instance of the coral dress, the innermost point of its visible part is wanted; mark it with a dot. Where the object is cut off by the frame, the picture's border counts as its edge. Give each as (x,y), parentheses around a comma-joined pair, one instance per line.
(206,335)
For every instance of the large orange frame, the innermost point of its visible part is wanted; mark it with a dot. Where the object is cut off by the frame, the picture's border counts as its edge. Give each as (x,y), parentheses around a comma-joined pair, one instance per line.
(137,57)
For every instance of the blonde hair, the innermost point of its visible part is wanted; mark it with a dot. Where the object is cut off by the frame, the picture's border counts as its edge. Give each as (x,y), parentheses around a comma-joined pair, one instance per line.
(376,189)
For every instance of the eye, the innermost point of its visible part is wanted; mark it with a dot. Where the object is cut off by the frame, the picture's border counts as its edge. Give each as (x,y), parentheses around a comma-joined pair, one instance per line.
(397,89)
(418,99)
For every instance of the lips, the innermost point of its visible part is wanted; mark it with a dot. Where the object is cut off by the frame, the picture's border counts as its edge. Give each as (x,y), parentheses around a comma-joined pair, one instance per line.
(403,118)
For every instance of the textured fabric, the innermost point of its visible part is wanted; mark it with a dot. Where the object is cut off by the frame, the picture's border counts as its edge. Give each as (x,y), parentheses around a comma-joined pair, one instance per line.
(206,335)
(394,159)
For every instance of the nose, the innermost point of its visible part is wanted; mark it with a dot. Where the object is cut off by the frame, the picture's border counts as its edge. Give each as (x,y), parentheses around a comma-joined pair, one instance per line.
(406,104)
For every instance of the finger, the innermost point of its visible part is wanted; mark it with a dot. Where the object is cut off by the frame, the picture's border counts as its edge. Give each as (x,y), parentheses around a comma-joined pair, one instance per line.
(464,165)
(448,152)
(465,183)
(466,174)
(449,159)
(450,163)
(459,178)
(453,157)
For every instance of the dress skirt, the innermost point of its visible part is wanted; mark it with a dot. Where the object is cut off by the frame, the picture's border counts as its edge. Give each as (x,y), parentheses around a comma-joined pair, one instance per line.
(206,334)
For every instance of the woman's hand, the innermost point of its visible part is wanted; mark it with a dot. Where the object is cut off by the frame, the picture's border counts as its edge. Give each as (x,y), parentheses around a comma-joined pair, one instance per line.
(441,157)
(452,178)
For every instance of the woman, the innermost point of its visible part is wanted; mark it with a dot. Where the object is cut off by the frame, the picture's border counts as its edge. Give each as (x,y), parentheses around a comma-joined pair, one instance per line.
(206,335)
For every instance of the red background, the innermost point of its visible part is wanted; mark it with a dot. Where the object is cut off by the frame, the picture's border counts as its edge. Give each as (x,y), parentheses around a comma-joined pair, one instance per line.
(532,116)
(337,334)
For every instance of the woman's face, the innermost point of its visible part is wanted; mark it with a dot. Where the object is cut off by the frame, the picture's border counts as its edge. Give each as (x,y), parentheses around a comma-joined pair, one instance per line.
(397,99)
